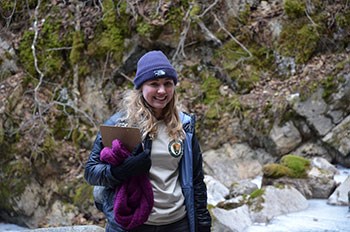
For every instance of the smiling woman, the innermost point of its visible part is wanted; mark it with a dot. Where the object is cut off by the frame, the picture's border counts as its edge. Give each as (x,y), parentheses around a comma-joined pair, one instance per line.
(169,156)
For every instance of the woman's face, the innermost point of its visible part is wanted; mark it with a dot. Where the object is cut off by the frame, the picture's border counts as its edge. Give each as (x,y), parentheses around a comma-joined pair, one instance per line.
(158,93)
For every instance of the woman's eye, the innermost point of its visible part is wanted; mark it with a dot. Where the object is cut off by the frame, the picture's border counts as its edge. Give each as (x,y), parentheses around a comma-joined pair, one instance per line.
(154,84)
(168,84)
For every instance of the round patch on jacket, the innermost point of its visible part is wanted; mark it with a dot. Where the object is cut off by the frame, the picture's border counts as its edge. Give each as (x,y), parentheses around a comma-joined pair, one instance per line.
(175,148)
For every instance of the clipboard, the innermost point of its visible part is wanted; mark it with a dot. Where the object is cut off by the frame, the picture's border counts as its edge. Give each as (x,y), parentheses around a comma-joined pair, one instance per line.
(129,136)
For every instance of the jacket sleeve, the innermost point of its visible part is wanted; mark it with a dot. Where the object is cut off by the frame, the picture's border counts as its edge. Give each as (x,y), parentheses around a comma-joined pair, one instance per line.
(96,171)
(200,190)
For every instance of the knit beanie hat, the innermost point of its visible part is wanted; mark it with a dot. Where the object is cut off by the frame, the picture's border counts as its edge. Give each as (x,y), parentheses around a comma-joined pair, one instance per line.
(153,65)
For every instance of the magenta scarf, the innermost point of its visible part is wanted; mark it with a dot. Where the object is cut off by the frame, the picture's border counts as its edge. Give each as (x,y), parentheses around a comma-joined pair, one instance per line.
(133,200)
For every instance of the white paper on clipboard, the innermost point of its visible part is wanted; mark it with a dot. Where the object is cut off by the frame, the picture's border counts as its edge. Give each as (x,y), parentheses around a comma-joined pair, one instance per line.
(129,136)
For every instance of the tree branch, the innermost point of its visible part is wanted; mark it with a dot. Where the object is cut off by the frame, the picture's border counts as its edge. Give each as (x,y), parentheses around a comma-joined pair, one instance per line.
(33,47)
(183,35)
(231,36)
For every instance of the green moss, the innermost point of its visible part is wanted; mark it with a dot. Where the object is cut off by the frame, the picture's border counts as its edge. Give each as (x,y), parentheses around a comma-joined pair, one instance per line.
(233,105)
(196,10)
(49,146)
(15,176)
(82,193)
(329,85)
(342,64)
(299,40)
(77,48)
(10,8)
(144,29)
(297,164)
(294,8)
(257,193)
(44,153)
(279,185)
(242,68)
(59,129)
(244,15)
(50,58)
(111,32)
(276,171)
(210,87)
(2,134)
(256,200)
(25,52)
(79,136)
(175,16)
(343,19)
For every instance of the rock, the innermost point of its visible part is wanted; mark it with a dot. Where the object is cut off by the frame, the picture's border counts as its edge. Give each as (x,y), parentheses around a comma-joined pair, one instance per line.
(319,182)
(276,201)
(234,220)
(339,138)
(314,109)
(285,138)
(313,149)
(232,163)
(232,203)
(242,187)
(216,190)
(340,195)
(300,184)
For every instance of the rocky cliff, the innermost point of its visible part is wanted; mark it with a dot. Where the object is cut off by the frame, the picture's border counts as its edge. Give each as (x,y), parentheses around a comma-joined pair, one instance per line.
(265,79)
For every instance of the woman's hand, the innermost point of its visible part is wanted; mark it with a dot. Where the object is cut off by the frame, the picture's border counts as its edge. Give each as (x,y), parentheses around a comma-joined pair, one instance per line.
(139,162)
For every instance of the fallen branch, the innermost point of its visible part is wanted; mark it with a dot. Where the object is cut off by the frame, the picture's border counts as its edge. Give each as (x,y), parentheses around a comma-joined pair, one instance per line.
(231,36)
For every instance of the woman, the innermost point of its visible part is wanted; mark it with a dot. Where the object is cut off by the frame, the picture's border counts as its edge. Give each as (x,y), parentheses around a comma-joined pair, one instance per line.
(171,154)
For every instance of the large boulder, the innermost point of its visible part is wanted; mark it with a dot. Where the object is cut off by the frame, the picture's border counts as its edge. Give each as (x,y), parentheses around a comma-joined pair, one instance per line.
(232,163)
(317,182)
(276,201)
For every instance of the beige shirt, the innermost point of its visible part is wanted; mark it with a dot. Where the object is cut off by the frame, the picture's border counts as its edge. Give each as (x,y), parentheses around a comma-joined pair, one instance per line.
(169,204)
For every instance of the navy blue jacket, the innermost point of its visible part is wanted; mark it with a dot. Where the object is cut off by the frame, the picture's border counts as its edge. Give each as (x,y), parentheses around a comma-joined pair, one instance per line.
(194,189)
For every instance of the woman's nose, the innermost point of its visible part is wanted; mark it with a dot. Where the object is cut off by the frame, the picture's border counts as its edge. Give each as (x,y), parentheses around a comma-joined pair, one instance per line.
(161,89)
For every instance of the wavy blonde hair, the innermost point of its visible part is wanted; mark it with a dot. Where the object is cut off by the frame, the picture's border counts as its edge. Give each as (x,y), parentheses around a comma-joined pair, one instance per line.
(140,114)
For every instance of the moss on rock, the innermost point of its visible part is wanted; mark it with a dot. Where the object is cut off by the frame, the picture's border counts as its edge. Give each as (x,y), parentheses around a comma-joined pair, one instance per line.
(276,171)
(299,40)
(297,164)
(294,8)
(110,35)
(290,166)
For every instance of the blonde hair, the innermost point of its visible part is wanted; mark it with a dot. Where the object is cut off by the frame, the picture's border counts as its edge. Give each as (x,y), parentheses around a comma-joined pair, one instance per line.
(139,114)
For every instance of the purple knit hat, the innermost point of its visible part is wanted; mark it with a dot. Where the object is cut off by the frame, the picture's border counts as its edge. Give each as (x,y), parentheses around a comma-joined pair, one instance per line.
(153,65)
